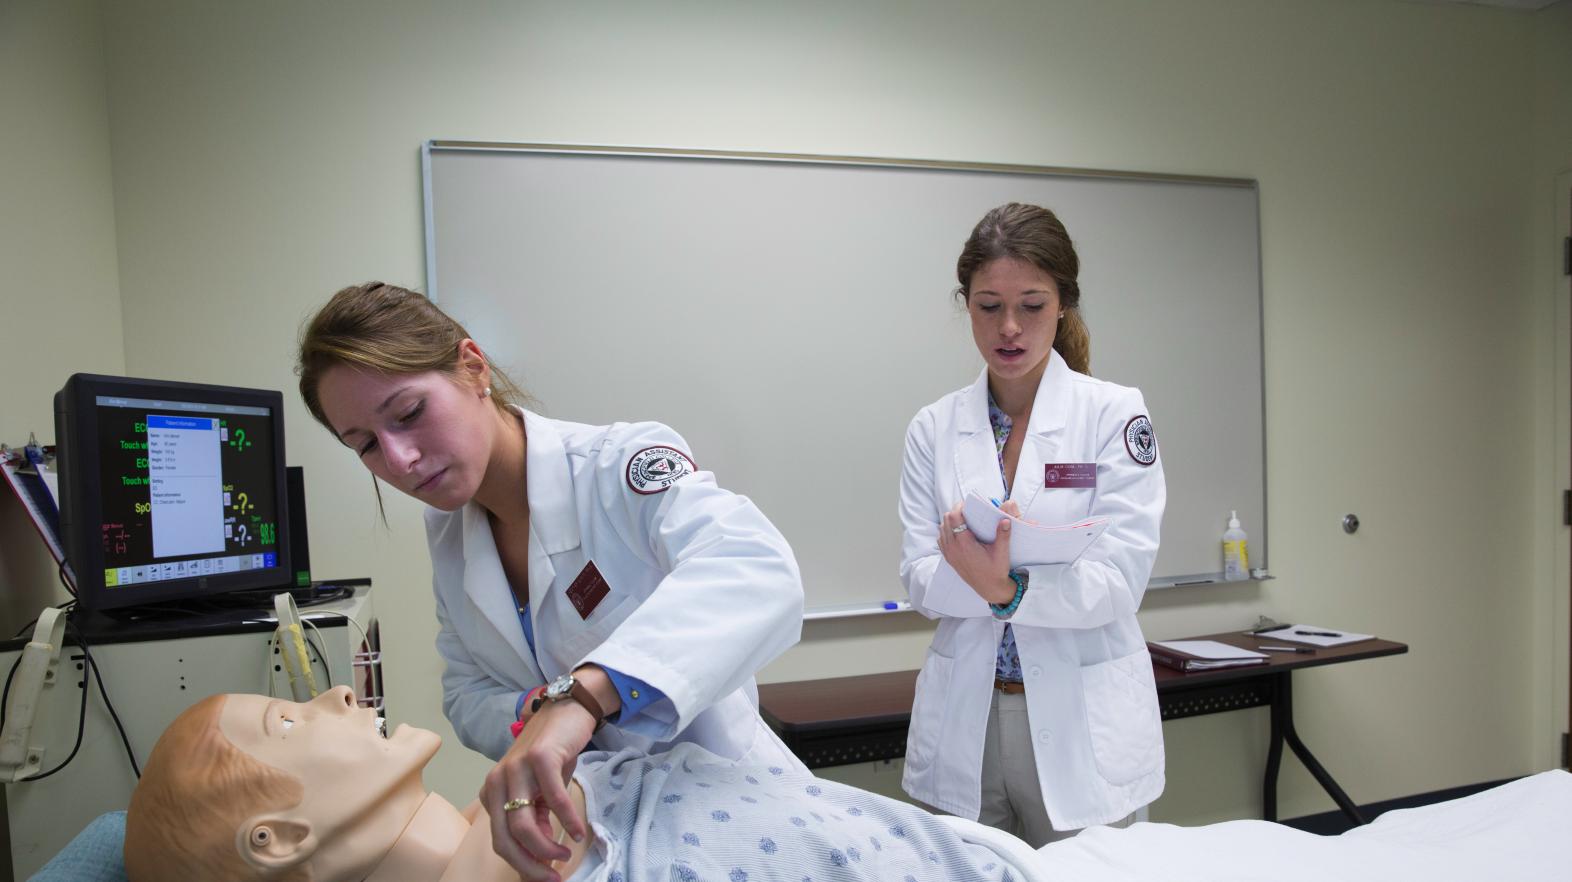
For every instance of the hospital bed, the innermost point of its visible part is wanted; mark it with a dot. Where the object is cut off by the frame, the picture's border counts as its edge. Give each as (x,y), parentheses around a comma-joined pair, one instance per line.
(1518,831)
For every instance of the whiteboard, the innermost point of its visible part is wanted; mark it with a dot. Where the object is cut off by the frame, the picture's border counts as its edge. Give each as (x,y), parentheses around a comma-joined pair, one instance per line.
(789,315)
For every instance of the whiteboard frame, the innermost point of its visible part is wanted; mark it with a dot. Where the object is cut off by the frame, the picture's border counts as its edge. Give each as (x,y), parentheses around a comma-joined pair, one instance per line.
(1258,573)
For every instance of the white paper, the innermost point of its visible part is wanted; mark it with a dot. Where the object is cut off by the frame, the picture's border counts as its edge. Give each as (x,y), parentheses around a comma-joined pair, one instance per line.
(1032,544)
(949,595)
(11,463)
(1297,634)
(1209,649)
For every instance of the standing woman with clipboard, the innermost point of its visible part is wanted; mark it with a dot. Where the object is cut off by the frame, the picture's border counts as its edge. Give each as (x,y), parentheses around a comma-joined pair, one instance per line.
(1036,709)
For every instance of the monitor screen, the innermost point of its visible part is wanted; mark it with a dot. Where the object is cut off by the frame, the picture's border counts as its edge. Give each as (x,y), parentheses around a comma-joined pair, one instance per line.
(170,491)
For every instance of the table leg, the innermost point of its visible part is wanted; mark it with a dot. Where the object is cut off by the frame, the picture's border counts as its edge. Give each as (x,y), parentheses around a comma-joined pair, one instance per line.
(1274,750)
(1283,730)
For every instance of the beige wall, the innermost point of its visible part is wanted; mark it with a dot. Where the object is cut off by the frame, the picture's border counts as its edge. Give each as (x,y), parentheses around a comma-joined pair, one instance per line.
(266,154)
(60,306)
(1551,212)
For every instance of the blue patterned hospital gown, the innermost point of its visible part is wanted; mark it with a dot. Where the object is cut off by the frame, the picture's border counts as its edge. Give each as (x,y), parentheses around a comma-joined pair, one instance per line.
(690,816)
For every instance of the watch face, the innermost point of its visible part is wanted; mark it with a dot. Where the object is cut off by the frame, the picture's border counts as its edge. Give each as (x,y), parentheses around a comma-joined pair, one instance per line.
(560,687)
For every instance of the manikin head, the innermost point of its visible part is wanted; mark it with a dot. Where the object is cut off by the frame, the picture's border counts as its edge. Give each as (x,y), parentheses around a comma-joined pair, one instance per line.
(244,787)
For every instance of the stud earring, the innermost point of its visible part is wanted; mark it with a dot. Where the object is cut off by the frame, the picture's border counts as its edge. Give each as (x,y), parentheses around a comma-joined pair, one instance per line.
(487,393)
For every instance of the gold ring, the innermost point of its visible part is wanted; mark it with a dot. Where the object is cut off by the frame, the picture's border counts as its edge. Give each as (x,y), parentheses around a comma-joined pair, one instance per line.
(514,805)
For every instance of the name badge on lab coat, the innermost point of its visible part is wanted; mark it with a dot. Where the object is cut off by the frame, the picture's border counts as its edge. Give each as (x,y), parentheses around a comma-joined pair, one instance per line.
(1071,475)
(588,590)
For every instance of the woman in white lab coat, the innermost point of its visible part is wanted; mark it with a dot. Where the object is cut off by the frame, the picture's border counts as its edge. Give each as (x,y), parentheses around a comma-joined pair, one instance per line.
(1036,709)
(585,576)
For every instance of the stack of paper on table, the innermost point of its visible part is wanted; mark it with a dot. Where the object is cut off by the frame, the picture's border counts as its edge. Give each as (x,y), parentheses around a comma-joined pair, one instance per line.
(1314,635)
(1202,655)
(1032,544)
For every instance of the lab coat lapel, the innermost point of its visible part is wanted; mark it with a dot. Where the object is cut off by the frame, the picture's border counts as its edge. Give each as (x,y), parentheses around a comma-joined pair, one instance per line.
(553,524)
(1044,432)
(976,455)
(487,584)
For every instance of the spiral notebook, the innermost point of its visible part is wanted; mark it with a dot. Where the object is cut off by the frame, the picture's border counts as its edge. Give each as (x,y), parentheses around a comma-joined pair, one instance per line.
(1202,655)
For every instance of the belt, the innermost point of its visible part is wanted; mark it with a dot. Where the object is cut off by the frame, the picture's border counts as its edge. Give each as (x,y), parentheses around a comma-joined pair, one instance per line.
(1008,687)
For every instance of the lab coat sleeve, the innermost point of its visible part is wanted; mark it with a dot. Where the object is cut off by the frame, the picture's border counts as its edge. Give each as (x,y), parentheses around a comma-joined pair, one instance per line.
(480,708)
(731,599)
(924,571)
(1108,581)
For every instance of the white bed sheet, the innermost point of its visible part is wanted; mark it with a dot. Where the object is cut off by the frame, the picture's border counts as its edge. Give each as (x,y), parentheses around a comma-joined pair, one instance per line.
(1518,831)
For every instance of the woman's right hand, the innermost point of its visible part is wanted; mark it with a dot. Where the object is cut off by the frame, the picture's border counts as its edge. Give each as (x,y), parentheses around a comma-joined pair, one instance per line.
(537,768)
(984,567)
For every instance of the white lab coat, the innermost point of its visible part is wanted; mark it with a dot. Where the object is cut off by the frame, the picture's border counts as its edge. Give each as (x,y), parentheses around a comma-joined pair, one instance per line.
(703,592)
(1091,699)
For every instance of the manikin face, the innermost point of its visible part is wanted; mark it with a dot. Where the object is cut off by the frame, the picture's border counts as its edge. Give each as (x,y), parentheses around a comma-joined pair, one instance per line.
(1014,307)
(334,747)
(361,788)
(427,434)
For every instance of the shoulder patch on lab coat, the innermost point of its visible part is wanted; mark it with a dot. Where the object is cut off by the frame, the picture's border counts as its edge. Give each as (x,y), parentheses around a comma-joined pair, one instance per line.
(1140,440)
(654,469)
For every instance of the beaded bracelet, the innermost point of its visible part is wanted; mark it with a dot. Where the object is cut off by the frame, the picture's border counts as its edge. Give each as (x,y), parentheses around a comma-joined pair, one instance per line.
(1006,610)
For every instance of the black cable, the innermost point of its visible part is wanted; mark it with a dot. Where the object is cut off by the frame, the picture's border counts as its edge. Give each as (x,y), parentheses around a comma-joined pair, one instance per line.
(70,589)
(81,729)
(29,626)
(109,706)
(6,695)
(81,723)
(326,671)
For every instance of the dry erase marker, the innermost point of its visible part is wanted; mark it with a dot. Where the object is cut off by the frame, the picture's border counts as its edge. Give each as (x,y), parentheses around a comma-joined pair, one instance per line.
(890,604)
(1302,650)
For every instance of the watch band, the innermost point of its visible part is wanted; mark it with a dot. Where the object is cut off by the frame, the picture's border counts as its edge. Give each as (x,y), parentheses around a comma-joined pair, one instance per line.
(581,694)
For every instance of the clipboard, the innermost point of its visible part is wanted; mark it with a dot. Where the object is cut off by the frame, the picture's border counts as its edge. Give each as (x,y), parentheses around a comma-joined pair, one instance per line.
(36,497)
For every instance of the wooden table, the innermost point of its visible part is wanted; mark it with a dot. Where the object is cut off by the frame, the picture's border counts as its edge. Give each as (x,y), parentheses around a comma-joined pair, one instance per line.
(859,719)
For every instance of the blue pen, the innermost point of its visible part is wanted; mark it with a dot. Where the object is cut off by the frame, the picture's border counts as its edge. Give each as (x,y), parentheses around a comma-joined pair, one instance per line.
(996,503)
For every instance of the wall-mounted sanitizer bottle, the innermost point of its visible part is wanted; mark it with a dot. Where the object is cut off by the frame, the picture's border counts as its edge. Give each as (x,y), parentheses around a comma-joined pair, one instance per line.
(1236,561)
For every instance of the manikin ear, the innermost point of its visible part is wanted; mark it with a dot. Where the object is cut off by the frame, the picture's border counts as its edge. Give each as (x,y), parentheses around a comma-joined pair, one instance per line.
(275,844)
(472,364)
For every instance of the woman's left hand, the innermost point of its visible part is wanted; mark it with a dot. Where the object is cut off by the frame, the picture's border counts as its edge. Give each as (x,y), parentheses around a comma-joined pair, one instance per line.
(986,568)
(537,768)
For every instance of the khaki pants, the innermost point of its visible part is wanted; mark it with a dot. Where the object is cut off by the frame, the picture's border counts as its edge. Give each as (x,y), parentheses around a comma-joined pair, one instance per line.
(1012,795)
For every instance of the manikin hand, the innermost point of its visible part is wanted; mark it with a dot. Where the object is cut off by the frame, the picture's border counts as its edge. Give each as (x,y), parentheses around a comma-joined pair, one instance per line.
(985,567)
(537,767)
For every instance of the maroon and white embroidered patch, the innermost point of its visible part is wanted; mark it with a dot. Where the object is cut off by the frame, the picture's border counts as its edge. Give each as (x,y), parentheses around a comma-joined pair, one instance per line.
(1141,440)
(654,469)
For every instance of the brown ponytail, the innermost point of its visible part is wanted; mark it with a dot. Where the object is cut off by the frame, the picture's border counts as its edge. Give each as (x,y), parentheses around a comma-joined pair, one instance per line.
(1074,342)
